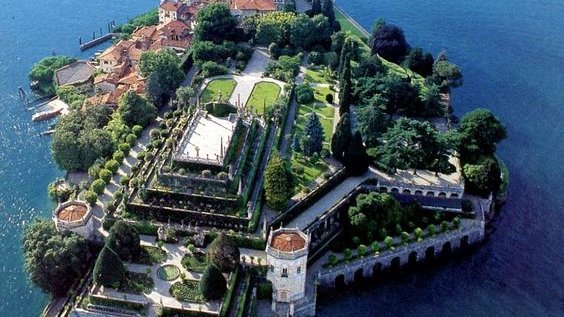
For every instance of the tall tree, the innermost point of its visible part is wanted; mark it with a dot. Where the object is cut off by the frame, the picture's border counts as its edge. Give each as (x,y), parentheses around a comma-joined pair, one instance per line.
(279,183)
(328,11)
(483,178)
(356,160)
(153,90)
(388,41)
(109,269)
(53,260)
(373,211)
(135,110)
(315,7)
(184,94)
(212,285)
(419,62)
(303,32)
(166,65)
(224,253)
(480,131)
(313,135)
(341,138)
(215,23)
(124,240)
(372,121)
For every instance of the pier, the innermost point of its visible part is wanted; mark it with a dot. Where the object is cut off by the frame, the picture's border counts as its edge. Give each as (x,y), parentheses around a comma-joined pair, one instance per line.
(96,41)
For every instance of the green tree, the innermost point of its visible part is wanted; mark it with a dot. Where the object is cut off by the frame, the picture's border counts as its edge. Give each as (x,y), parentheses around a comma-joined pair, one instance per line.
(135,110)
(315,7)
(373,211)
(482,178)
(446,74)
(212,285)
(184,94)
(215,23)
(342,137)
(312,140)
(355,159)
(328,11)
(480,131)
(90,197)
(109,269)
(124,240)
(224,253)
(388,41)
(419,62)
(345,99)
(153,90)
(279,183)
(302,31)
(372,122)
(53,260)
(92,145)
(166,65)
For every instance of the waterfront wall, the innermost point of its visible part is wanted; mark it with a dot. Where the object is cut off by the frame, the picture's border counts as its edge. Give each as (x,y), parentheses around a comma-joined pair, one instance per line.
(415,252)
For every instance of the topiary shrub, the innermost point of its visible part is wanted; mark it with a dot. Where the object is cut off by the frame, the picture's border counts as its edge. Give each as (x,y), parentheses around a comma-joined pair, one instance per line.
(98,186)
(329,98)
(124,180)
(119,156)
(218,109)
(90,197)
(149,156)
(137,130)
(124,240)
(141,155)
(362,249)
(375,246)
(112,166)
(155,134)
(206,173)
(182,171)
(224,253)
(432,229)
(109,269)
(124,147)
(315,58)
(304,94)
(222,176)
(212,285)
(131,139)
(106,176)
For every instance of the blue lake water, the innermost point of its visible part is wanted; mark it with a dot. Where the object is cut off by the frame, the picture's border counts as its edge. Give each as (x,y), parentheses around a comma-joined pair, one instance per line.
(512,56)
(30,30)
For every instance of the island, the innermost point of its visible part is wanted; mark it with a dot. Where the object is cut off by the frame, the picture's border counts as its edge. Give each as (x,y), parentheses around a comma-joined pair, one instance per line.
(241,158)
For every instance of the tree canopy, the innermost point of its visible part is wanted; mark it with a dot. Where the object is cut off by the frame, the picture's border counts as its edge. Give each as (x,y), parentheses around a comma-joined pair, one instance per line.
(484,177)
(109,269)
(224,253)
(355,159)
(53,260)
(373,212)
(166,65)
(372,121)
(279,182)
(135,110)
(388,41)
(215,23)
(212,285)
(342,137)
(419,62)
(480,131)
(312,140)
(124,240)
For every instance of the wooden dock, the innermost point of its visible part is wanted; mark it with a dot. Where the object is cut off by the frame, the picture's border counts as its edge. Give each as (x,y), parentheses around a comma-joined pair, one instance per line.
(96,41)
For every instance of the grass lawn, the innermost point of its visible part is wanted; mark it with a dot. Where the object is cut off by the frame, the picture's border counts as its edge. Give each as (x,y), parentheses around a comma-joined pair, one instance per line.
(346,25)
(195,263)
(310,171)
(325,114)
(315,75)
(263,91)
(136,283)
(216,86)
(150,255)
(186,291)
(320,93)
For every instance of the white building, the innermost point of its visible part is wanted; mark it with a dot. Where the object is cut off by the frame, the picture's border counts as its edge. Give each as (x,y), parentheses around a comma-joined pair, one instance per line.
(286,255)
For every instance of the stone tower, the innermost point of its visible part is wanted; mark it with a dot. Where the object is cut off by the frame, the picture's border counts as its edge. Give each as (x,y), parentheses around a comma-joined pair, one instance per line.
(286,254)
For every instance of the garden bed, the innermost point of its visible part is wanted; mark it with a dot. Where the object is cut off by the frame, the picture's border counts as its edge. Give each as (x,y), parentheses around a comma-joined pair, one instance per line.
(150,255)
(136,283)
(263,96)
(195,262)
(186,291)
(217,86)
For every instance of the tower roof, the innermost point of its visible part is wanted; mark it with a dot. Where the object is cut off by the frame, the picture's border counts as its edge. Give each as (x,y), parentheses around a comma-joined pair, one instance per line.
(288,240)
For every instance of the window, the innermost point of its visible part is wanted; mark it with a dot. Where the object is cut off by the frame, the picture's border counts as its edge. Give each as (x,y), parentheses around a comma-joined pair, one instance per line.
(299,269)
(272,268)
(284,272)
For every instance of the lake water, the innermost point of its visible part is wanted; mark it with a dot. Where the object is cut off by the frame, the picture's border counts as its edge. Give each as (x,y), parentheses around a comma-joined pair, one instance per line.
(512,56)
(30,30)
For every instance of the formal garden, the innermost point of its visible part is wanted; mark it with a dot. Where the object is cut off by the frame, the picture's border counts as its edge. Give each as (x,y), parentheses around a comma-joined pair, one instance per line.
(262,97)
(218,88)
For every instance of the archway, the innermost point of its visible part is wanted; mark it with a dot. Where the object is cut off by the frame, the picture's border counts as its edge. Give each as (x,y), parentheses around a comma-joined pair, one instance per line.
(377,270)
(442,194)
(454,195)
(430,254)
(358,275)
(419,193)
(395,264)
(383,189)
(447,249)
(340,281)
(395,190)
(430,193)
(464,242)
(412,258)
(406,191)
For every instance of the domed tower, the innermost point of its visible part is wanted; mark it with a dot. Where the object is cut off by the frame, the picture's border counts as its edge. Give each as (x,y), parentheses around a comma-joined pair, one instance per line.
(75,216)
(286,255)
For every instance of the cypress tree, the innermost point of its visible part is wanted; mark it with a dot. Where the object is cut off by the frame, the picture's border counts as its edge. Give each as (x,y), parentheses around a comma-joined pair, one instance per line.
(315,7)
(124,240)
(313,135)
(212,285)
(328,11)
(341,138)
(278,183)
(356,160)
(108,269)
(224,253)
(344,99)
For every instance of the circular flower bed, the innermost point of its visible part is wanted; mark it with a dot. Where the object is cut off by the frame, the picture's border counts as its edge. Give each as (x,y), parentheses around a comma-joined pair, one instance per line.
(168,272)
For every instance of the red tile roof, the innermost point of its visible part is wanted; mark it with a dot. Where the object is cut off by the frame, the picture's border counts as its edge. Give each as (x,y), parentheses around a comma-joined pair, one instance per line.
(259,5)
(287,241)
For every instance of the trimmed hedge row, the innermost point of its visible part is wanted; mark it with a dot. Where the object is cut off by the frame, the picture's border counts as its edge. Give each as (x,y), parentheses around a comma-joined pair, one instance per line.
(242,241)
(228,297)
